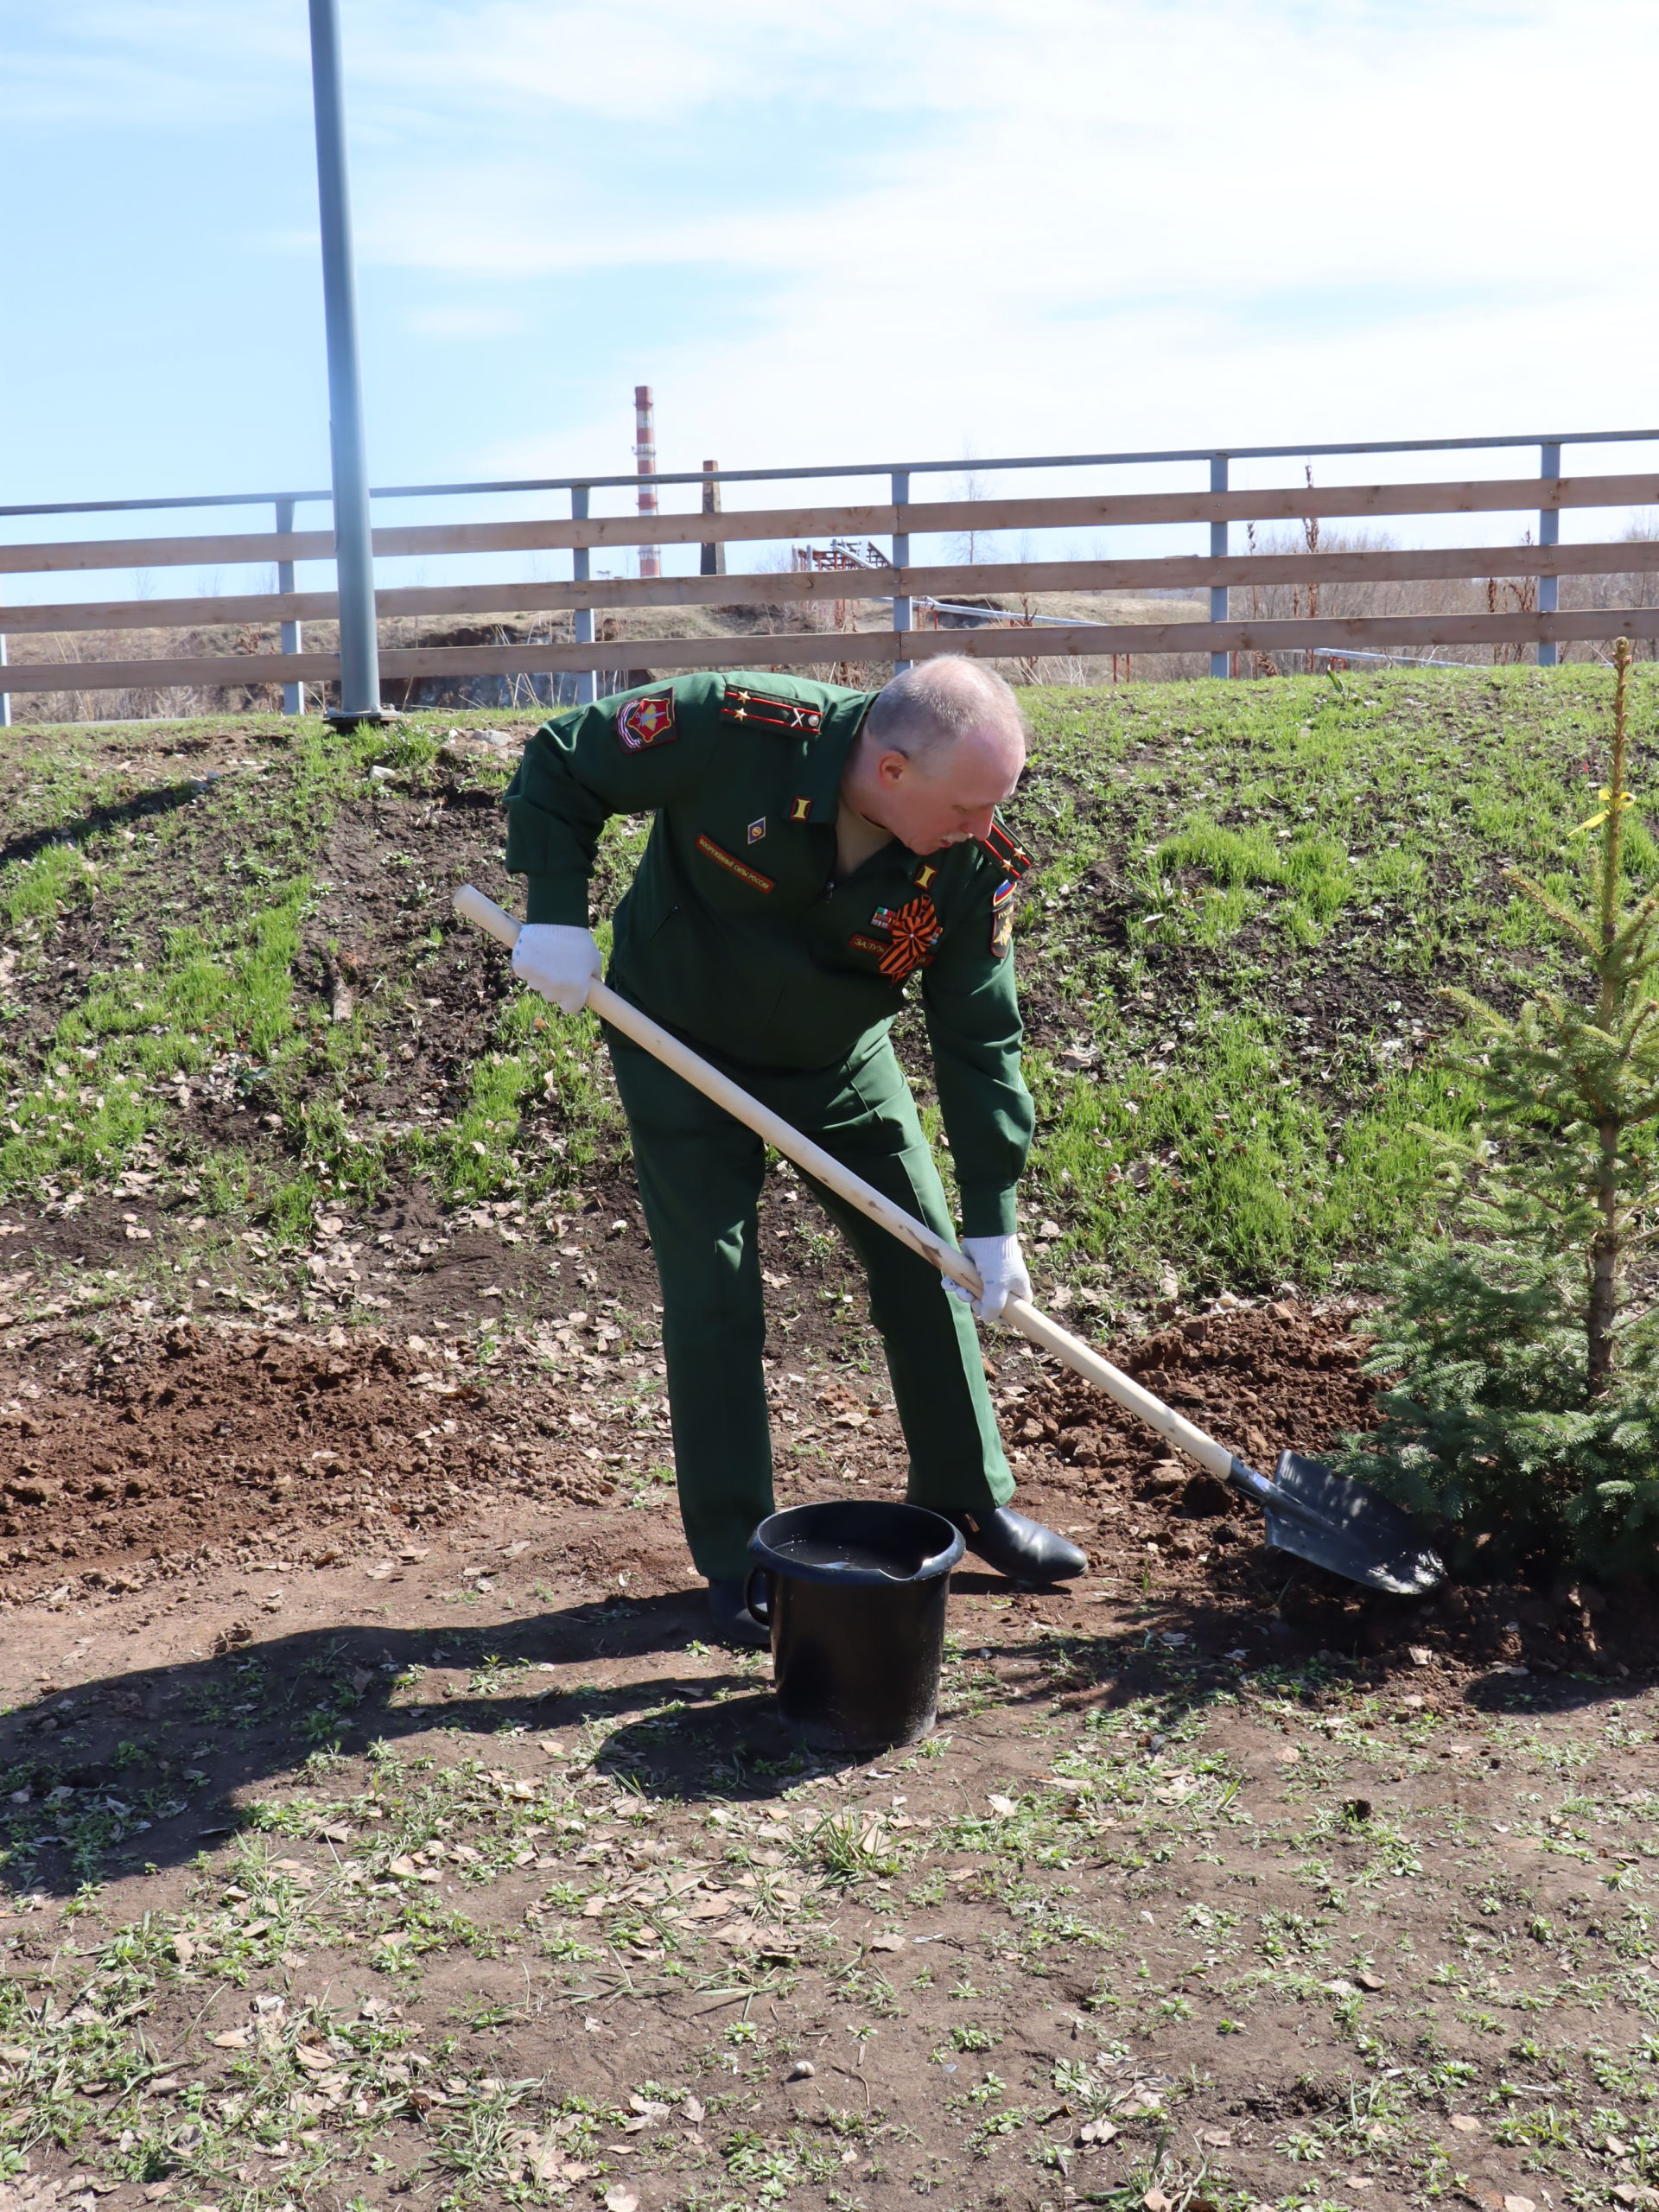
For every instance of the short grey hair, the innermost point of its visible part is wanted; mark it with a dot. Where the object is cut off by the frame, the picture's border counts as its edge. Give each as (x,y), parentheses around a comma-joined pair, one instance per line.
(922,712)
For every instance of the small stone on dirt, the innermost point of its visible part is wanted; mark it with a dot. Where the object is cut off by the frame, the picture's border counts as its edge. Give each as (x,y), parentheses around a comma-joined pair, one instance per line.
(802,2070)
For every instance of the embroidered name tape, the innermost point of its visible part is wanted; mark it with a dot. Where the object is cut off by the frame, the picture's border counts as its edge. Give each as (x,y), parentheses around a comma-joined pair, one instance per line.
(733,866)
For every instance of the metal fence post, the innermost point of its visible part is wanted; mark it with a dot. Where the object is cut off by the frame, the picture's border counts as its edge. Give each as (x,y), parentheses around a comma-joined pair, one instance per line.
(360,647)
(586,677)
(711,557)
(1549,533)
(293,694)
(901,560)
(1219,663)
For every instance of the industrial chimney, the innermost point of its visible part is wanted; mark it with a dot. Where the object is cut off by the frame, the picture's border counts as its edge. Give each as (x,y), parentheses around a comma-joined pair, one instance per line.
(646,454)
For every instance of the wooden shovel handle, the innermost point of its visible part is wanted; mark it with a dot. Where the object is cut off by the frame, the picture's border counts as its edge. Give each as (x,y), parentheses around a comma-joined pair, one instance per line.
(1019,1312)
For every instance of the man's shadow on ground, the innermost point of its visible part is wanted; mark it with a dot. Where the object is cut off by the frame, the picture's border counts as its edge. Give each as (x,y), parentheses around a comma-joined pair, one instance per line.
(147,1768)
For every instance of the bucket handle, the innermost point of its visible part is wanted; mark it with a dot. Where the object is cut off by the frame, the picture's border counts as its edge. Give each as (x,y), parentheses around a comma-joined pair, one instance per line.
(759,1605)
(937,1564)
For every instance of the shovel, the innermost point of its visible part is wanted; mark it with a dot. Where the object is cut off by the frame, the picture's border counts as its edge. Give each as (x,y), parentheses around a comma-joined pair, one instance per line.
(1310,1512)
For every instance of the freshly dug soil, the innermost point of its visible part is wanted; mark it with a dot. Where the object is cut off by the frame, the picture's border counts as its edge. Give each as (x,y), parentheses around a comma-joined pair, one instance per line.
(162,1453)
(1261,1379)
(172,1452)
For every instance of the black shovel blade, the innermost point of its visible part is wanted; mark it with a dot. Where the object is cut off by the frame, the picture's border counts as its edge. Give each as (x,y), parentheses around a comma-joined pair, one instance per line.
(1322,1517)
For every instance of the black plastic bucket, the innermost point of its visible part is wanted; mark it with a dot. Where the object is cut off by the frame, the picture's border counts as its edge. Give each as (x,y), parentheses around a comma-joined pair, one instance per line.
(854,1595)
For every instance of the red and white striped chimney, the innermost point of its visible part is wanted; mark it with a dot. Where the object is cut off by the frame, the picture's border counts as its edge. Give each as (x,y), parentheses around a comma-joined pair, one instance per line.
(644,450)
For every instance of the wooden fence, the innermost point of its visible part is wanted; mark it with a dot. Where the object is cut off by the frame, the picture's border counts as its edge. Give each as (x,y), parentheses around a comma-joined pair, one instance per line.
(1217,571)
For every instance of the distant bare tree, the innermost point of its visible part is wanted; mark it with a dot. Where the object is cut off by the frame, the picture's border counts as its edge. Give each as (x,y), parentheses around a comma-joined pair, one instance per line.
(971,545)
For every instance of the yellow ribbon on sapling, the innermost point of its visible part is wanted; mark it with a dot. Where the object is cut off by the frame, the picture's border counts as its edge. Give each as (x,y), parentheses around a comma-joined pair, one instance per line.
(1625,798)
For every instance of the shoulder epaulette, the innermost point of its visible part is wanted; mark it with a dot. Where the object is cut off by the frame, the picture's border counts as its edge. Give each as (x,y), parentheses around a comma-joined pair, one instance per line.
(1003,850)
(741,705)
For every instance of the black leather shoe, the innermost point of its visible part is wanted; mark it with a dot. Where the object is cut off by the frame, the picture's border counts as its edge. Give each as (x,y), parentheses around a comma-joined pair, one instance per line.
(734,1622)
(1019,1546)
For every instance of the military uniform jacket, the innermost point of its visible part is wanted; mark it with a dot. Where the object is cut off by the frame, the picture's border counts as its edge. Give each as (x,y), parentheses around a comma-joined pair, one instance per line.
(736,932)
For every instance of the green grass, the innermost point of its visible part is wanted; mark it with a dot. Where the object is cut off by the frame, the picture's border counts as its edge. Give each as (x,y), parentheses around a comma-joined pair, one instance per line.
(343,1975)
(221,990)
(1247,898)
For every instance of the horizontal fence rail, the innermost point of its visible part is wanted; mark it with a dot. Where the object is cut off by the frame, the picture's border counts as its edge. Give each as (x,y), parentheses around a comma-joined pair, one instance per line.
(790,648)
(1196,571)
(1530,573)
(1519,495)
(1486,443)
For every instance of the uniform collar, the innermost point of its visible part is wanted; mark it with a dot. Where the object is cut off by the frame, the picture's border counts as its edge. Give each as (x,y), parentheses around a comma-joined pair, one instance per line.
(817,784)
(817,779)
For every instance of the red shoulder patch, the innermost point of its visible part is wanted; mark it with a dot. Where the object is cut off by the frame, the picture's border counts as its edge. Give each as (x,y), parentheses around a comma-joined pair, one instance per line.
(641,724)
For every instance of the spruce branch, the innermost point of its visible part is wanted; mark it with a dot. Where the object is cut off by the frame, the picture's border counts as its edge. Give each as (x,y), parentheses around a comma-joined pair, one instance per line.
(1548,904)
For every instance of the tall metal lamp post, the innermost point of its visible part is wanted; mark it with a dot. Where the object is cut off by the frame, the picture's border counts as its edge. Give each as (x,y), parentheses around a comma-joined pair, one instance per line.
(360,650)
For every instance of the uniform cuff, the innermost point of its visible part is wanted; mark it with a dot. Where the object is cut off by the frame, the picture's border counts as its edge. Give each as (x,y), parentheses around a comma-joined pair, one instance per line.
(556,898)
(988,1210)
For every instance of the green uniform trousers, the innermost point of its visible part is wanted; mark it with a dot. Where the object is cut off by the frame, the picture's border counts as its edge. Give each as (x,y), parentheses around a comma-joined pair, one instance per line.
(700,1174)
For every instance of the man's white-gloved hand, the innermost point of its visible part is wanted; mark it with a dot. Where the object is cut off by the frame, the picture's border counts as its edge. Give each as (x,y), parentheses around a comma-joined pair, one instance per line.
(1002,1270)
(558,960)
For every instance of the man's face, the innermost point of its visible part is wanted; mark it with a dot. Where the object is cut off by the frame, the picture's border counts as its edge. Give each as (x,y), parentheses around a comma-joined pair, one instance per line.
(955,803)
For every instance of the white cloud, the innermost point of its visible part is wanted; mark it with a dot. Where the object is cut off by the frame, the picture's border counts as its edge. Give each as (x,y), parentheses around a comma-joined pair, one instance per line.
(1146,223)
(1032,224)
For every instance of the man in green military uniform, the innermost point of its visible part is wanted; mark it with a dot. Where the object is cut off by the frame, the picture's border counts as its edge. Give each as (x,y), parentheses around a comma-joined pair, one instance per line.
(814,848)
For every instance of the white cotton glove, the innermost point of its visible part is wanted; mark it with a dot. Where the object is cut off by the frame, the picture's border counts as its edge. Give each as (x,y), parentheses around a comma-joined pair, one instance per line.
(558,960)
(1002,1270)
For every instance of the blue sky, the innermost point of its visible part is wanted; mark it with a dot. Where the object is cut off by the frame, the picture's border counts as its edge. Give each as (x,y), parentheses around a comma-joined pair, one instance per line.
(888,228)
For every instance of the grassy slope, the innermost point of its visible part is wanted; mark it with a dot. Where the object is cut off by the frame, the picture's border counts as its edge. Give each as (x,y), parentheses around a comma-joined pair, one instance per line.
(1251,896)
(1247,897)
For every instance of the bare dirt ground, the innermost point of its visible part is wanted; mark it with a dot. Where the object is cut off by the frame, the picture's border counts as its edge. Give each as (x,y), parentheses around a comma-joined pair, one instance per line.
(380,1823)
